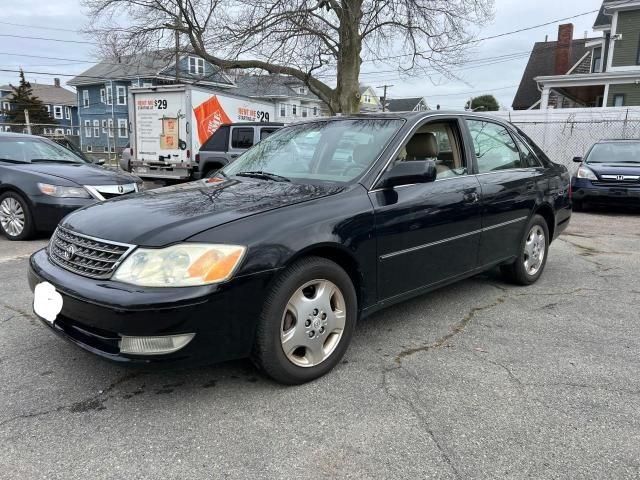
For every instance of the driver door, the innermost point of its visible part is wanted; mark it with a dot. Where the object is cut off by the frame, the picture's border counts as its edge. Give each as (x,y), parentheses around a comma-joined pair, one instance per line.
(428,233)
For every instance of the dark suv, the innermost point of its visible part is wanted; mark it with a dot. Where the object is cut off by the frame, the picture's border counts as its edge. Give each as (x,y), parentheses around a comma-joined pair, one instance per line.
(228,143)
(609,173)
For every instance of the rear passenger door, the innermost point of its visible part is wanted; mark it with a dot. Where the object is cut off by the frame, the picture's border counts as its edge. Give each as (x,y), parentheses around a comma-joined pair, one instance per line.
(510,181)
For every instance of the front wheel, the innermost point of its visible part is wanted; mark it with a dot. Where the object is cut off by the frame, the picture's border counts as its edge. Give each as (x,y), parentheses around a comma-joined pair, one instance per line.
(307,322)
(533,249)
(15,217)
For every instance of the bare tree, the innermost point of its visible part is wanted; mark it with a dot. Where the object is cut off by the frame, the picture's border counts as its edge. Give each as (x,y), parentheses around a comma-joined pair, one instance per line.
(315,41)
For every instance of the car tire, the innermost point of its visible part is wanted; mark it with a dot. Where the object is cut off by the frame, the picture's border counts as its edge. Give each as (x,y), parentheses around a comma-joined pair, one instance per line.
(16,221)
(532,254)
(307,321)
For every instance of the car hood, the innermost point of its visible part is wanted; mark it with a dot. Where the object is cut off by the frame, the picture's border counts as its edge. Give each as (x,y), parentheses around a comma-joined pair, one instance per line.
(614,168)
(81,173)
(172,214)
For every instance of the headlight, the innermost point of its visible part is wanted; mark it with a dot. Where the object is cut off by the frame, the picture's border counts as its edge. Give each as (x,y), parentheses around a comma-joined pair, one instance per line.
(63,192)
(584,172)
(182,265)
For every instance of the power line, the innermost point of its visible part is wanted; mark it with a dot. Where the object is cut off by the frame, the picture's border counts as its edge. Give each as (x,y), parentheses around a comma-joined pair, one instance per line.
(41,27)
(47,39)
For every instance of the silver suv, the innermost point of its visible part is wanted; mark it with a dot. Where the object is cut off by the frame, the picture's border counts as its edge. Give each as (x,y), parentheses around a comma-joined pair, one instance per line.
(227,143)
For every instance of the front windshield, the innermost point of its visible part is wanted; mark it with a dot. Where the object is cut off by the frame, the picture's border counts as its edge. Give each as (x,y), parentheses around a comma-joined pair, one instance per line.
(325,151)
(27,150)
(618,152)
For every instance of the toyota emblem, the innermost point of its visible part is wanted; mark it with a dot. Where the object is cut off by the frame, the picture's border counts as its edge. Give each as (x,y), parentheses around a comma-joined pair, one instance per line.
(120,189)
(69,252)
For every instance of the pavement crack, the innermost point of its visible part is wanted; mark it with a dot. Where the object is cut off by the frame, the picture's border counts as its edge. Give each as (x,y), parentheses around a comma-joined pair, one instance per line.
(419,415)
(93,402)
(455,330)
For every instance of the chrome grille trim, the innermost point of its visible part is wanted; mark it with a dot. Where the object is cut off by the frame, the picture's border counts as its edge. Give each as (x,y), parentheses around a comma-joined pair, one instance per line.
(92,257)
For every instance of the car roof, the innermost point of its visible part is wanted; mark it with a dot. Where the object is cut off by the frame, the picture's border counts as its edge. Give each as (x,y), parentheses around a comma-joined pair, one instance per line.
(18,135)
(618,140)
(253,124)
(410,116)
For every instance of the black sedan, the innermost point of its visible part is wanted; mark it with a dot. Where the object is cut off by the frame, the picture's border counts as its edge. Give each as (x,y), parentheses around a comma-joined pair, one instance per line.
(41,182)
(319,225)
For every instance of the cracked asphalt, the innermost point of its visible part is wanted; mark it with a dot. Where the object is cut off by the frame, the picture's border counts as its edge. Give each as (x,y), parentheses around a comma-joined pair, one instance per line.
(479,380)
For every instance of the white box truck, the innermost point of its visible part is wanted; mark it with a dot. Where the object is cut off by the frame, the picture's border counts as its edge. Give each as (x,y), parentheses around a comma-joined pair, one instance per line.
(168,124)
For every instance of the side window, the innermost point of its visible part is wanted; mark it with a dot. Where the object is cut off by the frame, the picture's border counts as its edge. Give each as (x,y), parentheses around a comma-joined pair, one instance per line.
(242,137)
(494,148)
(218,141)
(265,132)
(440,142)
(528,157)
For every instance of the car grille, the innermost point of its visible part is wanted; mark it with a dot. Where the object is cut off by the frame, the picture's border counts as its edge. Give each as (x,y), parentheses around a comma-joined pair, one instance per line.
(86,256)
(613,183)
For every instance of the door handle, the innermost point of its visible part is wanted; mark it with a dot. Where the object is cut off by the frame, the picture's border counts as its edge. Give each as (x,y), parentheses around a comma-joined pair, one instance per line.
(531,186)
(472,197)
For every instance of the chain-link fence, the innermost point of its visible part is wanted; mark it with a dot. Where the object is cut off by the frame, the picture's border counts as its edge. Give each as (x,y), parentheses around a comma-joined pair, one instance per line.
(567,133)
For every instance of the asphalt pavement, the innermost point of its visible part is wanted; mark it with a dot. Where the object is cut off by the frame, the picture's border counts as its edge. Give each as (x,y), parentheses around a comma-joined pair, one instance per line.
(478,380)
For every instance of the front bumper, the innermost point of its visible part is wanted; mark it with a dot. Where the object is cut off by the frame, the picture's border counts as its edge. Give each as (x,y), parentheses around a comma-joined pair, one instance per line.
(96,313)
(586,190)
(49,211)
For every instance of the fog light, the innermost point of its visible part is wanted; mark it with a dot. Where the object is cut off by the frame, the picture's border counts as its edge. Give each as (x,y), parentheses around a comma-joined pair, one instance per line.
(154,345)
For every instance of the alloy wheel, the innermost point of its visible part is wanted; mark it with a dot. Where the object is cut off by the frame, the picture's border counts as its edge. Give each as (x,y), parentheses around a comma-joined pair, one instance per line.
(12,216)
(313,323)
(534,250)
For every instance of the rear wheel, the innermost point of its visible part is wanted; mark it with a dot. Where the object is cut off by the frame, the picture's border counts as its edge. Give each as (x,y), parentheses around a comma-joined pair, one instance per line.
(534,247)
(307,322)
(15,217)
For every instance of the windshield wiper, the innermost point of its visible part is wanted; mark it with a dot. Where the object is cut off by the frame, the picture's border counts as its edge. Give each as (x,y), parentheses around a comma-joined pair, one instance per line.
(264,175)
(11,160)
(52,160)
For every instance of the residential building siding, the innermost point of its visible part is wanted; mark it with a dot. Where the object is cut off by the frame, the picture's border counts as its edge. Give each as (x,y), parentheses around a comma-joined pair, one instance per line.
(630,91)
(625,52)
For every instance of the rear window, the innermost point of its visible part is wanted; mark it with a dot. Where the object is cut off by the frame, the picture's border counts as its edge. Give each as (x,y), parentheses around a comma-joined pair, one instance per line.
(218,141)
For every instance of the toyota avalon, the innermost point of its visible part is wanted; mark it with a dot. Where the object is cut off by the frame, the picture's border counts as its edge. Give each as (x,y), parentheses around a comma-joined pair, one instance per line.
(317,226)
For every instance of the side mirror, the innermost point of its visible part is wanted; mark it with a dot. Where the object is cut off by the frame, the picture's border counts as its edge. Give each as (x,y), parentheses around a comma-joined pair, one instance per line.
(408,172)
(577,159)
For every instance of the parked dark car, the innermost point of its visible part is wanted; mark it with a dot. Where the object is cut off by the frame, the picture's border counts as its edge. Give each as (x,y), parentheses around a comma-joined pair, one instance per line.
(228,142)
(608,174)
(279,255)
(41,182)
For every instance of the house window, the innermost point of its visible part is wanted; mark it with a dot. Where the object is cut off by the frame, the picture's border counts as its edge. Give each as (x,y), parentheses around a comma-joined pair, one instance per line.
(68,131)
(87,128)
(283,110)
(315,111)
(111,128)
(123,131)
(112,149)
(96,128)
(367,99)
(109,96)
(103,98)
(302,90)
(304,111)
(67,113)
(196,66)
(59,131)
(618,100)
(104,126)
(89,149)
(294,109)
(85,98)
(5,106)
(122,95)
(597,60)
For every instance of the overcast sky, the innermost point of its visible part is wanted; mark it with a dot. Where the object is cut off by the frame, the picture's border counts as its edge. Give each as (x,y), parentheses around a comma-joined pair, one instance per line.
(67,16)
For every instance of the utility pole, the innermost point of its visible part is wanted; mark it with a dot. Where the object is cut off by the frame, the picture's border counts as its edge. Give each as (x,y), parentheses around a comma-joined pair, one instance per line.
(384,96)
(26,120)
